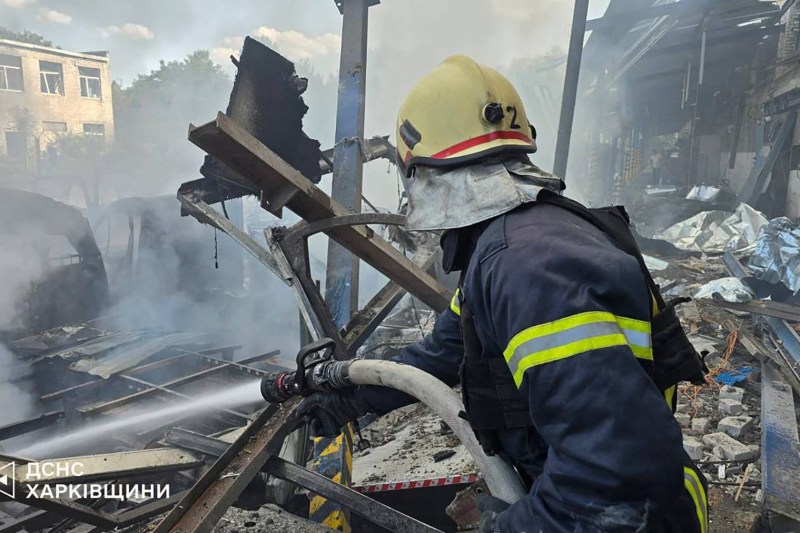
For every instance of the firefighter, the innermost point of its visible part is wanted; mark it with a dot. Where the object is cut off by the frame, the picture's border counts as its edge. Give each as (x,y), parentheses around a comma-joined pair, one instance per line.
(549,332)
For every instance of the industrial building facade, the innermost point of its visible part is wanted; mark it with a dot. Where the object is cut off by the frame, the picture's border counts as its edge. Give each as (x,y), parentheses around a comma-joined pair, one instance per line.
(46,93)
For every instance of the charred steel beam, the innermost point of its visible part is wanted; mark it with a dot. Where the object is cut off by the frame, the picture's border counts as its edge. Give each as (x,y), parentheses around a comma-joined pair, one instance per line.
(242,152)
(32,424)
(308,313)
(209,498)
(195,442)
(296,253)
(375,512)
(294,247)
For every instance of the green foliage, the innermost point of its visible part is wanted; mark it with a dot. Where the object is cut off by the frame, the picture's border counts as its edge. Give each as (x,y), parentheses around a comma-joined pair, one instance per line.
(25,36)
(151,154)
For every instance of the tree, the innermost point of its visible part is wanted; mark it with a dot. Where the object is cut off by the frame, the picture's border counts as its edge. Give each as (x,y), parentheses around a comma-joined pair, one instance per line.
(151,154)
(25,36)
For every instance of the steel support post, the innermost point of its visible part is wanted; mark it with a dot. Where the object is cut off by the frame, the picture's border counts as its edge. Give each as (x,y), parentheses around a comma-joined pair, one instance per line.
(570,87)
(341,282)
(341,277)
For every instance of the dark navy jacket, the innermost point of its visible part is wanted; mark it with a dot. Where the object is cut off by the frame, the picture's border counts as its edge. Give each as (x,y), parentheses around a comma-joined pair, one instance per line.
(604,448)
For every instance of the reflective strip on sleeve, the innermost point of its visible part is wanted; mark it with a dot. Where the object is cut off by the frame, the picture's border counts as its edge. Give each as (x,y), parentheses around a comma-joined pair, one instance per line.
(695,489)
(454,306)
(573,335)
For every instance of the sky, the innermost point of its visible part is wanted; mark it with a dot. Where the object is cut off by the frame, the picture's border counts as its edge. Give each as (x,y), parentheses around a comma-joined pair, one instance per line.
(140,33)
(407,38)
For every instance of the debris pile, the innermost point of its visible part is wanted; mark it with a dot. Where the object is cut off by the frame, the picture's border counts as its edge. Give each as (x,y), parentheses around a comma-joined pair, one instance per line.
(746,347)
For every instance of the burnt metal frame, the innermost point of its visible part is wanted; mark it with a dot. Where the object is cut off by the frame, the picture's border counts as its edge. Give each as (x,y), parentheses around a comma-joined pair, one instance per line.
(243,153)
(32,424)
(205,503)
(372,510)
(210,497)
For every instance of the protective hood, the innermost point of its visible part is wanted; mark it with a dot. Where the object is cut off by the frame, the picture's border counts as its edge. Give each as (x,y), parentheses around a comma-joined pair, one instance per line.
(449,198)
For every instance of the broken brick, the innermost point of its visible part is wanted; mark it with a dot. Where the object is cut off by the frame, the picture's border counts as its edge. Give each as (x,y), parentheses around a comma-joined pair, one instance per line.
(693,447)
(683,419)
(733,393)
(700,425)
(731,407)
(736,426)
(729,448)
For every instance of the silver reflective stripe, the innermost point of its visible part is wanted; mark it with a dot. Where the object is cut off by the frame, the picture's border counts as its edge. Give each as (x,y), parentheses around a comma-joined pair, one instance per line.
(561,338)
(697,497)
(637,338)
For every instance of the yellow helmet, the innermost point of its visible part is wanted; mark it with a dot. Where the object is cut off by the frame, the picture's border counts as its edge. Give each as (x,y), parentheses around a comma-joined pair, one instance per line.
(459,113)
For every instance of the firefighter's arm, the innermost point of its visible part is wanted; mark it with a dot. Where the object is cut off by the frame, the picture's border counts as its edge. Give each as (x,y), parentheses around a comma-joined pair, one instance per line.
(572,328)
(438,354)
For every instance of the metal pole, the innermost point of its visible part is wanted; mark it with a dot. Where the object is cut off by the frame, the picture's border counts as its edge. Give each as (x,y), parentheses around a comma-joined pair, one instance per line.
(570,87)
(341,285)
(333,457)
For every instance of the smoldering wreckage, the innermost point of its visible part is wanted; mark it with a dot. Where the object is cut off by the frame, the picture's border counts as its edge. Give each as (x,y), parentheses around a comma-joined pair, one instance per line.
(179,413)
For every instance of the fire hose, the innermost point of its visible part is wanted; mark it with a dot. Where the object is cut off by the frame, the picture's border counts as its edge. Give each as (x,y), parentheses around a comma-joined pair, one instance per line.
(318,371)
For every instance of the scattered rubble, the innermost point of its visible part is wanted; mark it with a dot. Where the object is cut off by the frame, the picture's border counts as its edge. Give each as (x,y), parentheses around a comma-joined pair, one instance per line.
(266,519)
(736,426)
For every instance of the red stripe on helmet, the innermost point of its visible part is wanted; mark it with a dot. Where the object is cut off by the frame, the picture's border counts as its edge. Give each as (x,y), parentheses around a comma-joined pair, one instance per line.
(482,139)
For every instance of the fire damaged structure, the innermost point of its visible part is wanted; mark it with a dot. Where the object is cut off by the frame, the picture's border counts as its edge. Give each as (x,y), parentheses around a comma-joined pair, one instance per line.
(698,82)
(706,84)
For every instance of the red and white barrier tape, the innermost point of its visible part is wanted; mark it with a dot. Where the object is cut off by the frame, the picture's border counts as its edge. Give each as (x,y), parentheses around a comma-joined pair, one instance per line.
(418,484)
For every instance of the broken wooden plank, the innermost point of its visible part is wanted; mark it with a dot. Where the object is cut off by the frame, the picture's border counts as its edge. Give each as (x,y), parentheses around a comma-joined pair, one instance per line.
(765,308)
(282,185)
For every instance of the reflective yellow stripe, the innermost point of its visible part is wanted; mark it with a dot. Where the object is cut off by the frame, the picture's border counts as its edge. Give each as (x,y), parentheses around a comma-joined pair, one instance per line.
(454,303)
(669,395)
(695,489)
(573,335)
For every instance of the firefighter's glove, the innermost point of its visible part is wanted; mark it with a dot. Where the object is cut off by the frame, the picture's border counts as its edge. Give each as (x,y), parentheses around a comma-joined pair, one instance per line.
(328,412)
(491,508)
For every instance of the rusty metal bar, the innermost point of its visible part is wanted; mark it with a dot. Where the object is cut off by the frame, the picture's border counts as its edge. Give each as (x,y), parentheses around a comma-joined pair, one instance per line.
(377,513)
(32,424)
(209,498)
(242,152)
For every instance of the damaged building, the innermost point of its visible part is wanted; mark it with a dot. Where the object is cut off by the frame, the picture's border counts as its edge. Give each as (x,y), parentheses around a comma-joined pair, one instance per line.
(48,93)
(688,116)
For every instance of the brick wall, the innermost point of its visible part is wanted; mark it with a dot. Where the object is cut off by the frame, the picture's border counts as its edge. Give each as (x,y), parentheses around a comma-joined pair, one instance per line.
(70,108)
(788,43)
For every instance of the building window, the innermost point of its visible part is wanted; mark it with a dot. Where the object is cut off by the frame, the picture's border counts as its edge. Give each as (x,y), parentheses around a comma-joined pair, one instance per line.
(51,77)
(98,130)
(16,146)
(10,73)
(90,82)
(55,127)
